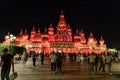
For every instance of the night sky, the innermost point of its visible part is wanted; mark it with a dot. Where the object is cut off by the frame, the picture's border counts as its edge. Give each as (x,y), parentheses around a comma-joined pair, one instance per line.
(102,17)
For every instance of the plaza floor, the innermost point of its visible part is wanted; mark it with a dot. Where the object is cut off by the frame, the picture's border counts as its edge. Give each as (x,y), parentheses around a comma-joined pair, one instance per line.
(71,71)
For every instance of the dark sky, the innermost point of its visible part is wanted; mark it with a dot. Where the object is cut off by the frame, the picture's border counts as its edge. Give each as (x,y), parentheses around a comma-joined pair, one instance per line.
(102,17)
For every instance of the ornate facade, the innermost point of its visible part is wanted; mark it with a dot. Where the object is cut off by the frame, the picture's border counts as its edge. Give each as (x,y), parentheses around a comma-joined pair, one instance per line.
(62,40)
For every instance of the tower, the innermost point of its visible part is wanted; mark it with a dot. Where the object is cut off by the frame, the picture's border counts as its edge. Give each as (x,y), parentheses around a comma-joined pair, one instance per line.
(101,41)
(33,33)
(50,30)
(91,40)
(61,27)
(82,37)
(51,33)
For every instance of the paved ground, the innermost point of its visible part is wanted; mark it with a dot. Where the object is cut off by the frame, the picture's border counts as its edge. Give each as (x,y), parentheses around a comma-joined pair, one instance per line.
(71,71)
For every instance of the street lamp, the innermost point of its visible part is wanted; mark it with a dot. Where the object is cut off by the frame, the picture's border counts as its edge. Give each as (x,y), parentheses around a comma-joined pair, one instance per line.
(11,39)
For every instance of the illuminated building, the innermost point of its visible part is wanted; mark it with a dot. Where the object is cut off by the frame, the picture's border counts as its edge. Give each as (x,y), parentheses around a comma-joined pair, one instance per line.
(61,40)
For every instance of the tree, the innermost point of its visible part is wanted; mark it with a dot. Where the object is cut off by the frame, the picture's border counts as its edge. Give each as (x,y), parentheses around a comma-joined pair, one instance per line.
(14,49)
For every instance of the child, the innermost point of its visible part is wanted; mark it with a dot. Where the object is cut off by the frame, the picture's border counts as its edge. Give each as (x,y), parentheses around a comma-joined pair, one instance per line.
(13,76)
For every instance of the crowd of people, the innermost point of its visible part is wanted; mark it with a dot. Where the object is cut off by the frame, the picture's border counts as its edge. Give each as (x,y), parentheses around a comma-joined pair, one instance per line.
(96,62)
(103,59)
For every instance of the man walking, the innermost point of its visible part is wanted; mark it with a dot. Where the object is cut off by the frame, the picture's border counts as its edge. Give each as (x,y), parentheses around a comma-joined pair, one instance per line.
(109,62)
(53,59)
(34,57)
(6,61)
(91,61)
(42,58)
(102,60)
(59,62)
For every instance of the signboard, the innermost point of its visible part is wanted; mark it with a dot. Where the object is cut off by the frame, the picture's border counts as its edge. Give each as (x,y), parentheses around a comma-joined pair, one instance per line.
(62,44)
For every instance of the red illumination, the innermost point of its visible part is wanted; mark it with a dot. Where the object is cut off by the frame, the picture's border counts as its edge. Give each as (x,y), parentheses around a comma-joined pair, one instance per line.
(62,40)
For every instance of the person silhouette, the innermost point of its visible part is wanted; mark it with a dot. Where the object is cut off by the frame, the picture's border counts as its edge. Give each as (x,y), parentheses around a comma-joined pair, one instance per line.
(6,62)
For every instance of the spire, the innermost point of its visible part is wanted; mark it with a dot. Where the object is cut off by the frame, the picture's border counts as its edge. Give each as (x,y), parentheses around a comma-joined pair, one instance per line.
(8,33)
(91,34)
(21,32)
(33,31)
(69,25)
(77,31)
(39,30)
(81,31)
(25,31)
(33,28)
(51,24)
(62,16)
(50,27)
(61,24)
(101,40)
(101,37)
(45,30)
(61,12)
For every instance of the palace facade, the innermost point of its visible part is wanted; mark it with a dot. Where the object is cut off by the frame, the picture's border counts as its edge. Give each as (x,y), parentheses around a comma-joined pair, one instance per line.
(62,40)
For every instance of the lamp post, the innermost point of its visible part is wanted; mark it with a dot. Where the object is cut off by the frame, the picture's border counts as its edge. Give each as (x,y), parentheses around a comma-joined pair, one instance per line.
(11,39)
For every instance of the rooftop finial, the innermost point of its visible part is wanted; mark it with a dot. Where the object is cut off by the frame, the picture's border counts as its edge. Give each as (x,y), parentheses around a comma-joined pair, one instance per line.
(51,24)
(77,31)
(39,30)
(101,37)
(61,12)
(45,29)
(69,25)
(33,27)
(81,30)
(8,33)
(25,31)
(21,32)
(91,34)
(62,16)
